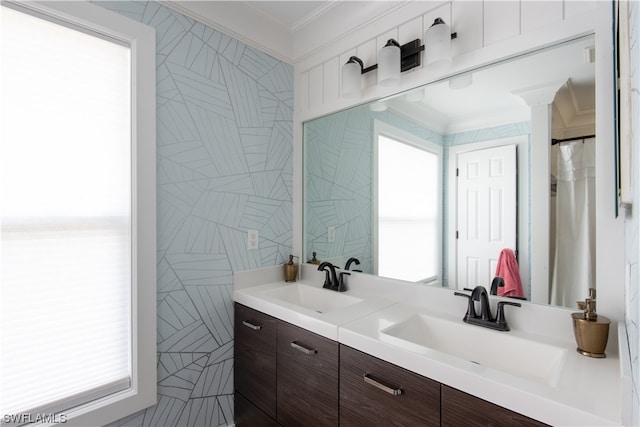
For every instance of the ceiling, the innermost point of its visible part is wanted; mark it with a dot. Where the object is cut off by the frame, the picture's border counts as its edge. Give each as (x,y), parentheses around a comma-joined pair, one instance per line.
(292,15)
(288,30)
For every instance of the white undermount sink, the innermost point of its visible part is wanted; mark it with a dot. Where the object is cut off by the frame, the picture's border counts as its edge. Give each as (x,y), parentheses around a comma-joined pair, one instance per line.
(502,351)
(314,298)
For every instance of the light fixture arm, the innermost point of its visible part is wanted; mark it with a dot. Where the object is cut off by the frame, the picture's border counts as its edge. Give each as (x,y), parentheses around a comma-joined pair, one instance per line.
(409,55)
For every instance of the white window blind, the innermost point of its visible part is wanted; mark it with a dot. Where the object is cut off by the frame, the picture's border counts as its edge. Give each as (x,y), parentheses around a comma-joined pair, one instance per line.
(66,206)
(408,211)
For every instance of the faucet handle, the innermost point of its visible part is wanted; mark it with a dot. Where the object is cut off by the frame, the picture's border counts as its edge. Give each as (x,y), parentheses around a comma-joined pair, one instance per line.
(327,280)
(471,309)
(341,285)
(500,318)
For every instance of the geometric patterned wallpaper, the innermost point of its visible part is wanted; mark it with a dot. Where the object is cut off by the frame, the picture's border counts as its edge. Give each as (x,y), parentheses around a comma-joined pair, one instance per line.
(224,166)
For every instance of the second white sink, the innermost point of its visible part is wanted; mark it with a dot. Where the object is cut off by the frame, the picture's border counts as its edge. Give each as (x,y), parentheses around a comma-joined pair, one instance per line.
(317,299)
(502,351)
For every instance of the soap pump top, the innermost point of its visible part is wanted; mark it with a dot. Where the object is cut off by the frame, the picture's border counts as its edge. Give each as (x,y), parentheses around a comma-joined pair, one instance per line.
(589,306)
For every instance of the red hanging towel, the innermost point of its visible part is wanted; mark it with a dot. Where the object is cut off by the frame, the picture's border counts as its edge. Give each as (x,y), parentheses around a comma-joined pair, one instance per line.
(508,269)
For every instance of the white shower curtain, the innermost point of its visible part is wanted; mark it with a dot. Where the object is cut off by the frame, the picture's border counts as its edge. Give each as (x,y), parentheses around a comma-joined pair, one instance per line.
(574,264)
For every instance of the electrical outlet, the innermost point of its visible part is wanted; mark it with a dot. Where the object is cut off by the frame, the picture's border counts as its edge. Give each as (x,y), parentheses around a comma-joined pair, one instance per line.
(252,239)
(331,234)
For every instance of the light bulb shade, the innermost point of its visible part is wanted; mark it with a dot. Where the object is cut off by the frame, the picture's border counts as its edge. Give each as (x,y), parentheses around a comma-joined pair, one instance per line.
(415,95)
(378,106)
(351,79)
(461,82)
(389,64)
(437,42)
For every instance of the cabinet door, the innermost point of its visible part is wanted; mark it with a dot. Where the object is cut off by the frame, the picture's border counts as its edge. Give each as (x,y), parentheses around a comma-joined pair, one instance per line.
(459,408)
(375,392)
(248,415)
(307,378)
(255,358)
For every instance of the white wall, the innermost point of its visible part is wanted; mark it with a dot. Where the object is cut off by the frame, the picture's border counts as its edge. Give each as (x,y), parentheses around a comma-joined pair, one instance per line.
(632,222)
(487,31)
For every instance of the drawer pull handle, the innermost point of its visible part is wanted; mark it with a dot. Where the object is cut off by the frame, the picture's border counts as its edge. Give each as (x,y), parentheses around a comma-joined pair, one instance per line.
(303,349)
(393,391)
(251,325)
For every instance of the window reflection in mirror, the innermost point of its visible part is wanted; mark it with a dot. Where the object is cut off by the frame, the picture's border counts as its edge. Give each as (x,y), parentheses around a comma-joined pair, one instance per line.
(407,212)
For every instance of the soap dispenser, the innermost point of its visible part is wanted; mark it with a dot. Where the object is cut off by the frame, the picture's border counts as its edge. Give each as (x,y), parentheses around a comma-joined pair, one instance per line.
(591,330)
(290,270)
(314,260)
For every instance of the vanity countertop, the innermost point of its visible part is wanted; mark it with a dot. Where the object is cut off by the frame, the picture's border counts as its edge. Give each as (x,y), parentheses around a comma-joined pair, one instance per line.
(578,391)
(274,299)
(300,303)
(585,391)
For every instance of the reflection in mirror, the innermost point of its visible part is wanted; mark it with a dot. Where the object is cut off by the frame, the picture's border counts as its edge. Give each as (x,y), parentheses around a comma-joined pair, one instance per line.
(407,205)
(483,124)
(572,221)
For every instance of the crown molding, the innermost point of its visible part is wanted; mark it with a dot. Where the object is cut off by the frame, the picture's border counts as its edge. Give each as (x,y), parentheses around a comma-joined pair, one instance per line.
(241,22)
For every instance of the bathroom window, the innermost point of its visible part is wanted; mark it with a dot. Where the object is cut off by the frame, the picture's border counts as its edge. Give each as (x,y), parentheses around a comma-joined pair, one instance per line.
(76,172)
(408,206)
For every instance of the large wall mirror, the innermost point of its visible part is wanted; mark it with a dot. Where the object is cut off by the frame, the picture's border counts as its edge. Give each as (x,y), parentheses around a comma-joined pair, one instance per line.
(433,184)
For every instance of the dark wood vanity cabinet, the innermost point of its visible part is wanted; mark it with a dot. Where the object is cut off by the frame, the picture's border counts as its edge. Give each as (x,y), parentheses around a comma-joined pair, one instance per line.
(283,373)
(375,392)
(286,375)
(307,378)
(248,415)
(254,365)
(459,408)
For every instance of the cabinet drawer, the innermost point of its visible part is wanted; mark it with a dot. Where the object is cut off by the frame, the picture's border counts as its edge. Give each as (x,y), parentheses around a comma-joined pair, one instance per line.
(459,408)
(255,357)
(375,392)
(307,378)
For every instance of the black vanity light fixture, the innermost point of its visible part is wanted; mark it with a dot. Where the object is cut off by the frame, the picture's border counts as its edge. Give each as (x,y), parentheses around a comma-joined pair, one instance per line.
(394,59)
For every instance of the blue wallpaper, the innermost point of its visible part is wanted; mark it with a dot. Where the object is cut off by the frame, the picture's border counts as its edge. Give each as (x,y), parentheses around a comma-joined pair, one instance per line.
(224,166)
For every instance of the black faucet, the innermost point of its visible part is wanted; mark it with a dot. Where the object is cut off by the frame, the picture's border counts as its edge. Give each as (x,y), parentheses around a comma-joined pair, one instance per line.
(341,285)
(479,293)
(332,280)
(497,282)
(350,261)
(486,319)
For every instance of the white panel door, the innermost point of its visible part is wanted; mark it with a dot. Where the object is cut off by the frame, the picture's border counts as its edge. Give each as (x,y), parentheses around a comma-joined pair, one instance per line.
(486,212)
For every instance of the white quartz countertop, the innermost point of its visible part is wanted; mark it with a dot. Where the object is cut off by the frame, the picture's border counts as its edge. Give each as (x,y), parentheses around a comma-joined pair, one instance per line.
(298,302)
(273,299)
(581,391)
(585,392)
